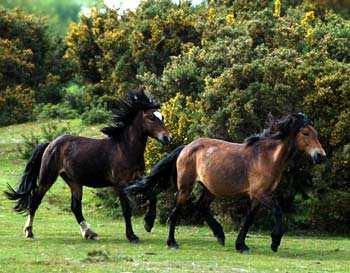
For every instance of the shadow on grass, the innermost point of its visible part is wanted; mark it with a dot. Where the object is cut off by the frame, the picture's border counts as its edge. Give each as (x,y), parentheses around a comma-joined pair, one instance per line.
(211,246)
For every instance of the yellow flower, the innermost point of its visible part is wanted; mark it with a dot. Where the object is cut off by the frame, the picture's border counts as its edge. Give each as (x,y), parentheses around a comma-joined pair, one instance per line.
(211,14)
(277,8)
(305,23)
(308,17)
(230,19)
(309,36)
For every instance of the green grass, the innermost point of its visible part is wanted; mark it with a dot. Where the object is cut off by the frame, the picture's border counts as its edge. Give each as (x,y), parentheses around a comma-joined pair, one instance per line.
(58,246)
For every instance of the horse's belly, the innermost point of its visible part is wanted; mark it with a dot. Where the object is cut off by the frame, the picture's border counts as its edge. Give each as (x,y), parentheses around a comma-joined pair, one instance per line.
(223,188)
(98,183)
(226,177)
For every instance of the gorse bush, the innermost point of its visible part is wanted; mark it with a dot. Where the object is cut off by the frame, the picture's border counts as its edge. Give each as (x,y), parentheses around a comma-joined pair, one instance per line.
(111,50)
(32,67)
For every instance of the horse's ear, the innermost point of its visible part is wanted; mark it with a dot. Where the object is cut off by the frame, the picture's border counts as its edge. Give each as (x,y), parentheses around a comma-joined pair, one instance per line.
(141,90)
(286,125)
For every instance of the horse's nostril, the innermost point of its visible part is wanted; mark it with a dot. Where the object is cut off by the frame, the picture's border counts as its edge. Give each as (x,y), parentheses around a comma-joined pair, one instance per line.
(165,139)
(168,139)
(319,158)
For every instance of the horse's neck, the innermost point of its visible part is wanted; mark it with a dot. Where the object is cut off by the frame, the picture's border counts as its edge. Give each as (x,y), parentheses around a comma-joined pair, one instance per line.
(134,143)
(280,153)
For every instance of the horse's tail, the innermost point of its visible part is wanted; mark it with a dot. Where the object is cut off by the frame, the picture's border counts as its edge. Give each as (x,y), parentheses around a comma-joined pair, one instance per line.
(25,190)
(160,177)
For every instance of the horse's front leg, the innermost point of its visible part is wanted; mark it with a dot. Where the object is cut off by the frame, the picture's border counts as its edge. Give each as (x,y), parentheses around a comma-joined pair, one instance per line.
(124,201)
(279,229)
(248,221)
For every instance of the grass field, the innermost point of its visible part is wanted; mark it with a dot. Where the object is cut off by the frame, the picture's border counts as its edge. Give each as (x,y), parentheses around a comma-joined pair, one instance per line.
(58,246)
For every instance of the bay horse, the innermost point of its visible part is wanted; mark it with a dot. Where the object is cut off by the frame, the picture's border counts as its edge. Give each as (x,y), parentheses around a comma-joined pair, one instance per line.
(227,169)
(113,161)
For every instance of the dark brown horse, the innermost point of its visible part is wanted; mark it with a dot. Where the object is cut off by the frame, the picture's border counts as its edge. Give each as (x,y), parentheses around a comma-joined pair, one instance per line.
(226,169)
(110,162)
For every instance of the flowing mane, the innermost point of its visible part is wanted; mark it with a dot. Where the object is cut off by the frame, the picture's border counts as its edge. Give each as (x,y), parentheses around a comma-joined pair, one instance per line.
(280,128)
(125,110)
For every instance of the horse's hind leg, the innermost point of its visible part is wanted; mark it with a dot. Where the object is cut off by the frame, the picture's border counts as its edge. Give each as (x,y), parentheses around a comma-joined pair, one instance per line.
(203,206)
(124,201)
(182,196)
(171,242)
(150,214)
(76,198)
(248,221)
(46,180)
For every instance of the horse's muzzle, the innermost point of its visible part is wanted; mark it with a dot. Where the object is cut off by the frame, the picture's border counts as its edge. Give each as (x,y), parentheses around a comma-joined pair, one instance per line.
(165,139)
(318,158)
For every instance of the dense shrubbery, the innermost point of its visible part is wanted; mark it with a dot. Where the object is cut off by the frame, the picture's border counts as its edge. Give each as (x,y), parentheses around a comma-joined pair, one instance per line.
(111,50)
(54,111)
(219,69)
(32,67)
(95,115)
(267,63)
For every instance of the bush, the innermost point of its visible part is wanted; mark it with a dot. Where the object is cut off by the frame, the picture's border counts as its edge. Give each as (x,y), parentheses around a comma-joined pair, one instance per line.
(55,111)
(95,115)
(76,97)
(16,105)
(48,132)
(292,62)
(32,66)
(111,50)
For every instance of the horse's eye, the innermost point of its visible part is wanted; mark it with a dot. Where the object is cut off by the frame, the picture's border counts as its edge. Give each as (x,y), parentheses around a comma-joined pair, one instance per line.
(305,133)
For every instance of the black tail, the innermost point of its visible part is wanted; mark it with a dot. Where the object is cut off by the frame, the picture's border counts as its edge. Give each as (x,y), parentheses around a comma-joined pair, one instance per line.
(160,177)
(25,190)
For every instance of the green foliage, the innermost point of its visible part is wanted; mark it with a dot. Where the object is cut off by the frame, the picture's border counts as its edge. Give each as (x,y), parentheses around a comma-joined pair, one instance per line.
(32,67)
(95,115)
(47,133)
(55,111)
(16,104)
(76,97)
(295,61)
(111,50)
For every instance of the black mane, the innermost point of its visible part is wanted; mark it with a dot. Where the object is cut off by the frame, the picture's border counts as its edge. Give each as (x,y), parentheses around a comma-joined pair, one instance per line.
(281,128)
(125,110)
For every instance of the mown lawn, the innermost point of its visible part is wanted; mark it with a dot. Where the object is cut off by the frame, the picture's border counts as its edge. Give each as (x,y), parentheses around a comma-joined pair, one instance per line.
(58,246)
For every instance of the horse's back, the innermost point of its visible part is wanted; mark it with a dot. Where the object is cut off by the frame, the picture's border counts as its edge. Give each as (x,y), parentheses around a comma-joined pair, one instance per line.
(84,160)
(219,165)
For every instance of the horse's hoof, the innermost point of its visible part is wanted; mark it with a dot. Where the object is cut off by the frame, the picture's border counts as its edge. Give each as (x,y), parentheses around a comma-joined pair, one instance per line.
(242,248)
(274,247)
(221,240)
(133,239)
(28,232)
(172,245)
(148,227)
(90,235)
